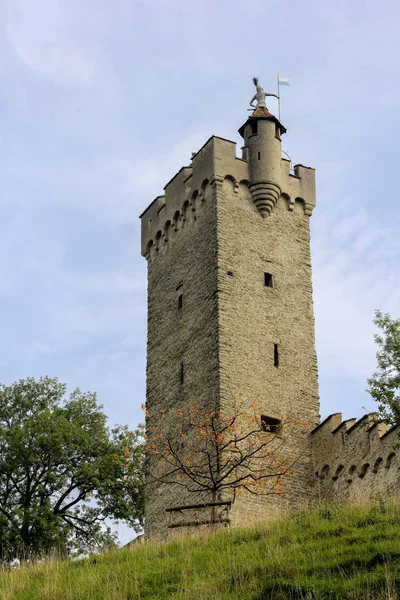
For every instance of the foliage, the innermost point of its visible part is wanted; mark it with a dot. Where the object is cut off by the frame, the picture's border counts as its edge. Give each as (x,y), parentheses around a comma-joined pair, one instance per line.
(218,452)
(384,385)
(354,555)
(62,472)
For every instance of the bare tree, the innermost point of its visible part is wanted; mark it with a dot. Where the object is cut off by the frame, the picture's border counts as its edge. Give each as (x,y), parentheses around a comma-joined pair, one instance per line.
(219,453)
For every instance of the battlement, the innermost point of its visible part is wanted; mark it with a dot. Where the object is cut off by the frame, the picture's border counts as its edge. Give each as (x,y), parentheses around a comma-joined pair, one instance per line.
(352,458)
(186,193)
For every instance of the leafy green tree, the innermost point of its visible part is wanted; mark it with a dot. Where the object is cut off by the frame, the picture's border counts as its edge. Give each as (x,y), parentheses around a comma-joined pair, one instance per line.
(384,385)
(63,473)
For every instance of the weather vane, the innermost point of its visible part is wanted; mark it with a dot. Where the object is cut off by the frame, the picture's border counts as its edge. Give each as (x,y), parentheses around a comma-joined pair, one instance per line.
(260,95)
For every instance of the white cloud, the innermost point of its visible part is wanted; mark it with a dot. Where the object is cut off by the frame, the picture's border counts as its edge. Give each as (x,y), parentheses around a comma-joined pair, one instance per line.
(34,349)
(115,189)
(49,37)
(355,266)
(109,283)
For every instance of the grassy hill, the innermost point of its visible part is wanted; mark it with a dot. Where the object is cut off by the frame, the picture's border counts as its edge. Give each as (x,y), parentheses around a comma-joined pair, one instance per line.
(328,553)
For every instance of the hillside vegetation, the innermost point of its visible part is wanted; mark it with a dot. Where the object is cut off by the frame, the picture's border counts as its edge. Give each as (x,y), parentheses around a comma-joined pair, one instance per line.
(327,553)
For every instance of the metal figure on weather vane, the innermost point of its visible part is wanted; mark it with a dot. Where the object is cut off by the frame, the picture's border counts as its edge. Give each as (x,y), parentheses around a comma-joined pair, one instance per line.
(260,95)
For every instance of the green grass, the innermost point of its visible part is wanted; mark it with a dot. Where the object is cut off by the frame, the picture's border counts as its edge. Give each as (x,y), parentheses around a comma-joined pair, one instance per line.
(328,553)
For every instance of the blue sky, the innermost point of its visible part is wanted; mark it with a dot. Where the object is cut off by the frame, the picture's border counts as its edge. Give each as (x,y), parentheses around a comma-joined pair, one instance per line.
(103,101)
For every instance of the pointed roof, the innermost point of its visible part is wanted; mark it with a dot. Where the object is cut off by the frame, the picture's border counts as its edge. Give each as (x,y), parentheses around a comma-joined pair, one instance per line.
(262,112)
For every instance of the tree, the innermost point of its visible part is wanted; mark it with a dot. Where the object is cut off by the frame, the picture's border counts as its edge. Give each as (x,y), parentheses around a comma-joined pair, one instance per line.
(219,453)
(62,472)
(384,385)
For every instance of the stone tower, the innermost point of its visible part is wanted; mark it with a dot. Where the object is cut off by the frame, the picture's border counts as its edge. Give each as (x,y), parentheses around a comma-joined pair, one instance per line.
(230,308)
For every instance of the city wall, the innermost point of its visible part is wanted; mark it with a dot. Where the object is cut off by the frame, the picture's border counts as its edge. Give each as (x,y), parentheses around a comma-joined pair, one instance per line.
(355,460)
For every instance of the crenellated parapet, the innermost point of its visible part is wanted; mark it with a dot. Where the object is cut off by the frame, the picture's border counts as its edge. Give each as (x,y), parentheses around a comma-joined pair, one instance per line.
(355,459)
(298,186)
(188,192)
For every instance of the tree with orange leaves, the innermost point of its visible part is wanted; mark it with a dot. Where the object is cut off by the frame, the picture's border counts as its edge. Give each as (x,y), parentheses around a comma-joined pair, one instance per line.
(219,453)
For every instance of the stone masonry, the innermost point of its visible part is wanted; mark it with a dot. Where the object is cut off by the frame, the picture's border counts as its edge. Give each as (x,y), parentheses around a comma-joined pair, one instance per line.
(230,317)
(355,460)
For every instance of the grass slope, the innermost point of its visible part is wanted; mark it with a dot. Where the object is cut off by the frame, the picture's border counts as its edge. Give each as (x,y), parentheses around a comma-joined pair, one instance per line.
(328,553)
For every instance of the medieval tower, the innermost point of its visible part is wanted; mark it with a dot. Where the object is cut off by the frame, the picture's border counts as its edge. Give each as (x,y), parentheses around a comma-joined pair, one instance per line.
(230,307)
(230,319)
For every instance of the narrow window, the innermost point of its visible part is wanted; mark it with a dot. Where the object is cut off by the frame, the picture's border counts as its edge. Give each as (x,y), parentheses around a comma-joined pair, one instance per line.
(259,155)
(180,301)
(268,280)
(269,424)
(276,356)
(182,373)
(254,127)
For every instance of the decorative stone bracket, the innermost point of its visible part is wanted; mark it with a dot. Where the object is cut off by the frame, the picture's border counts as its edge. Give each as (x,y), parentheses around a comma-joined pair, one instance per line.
(265,195)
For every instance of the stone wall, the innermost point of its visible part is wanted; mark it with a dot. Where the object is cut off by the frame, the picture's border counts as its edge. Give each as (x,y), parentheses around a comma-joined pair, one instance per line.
(253,318)
(182,356)
(179,241)
(355,460)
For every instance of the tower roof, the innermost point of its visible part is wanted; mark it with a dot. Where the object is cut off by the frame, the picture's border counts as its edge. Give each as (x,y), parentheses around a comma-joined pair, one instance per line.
(262,113)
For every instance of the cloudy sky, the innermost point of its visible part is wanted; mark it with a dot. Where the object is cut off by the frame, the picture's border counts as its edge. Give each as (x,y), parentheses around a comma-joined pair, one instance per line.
(102,101)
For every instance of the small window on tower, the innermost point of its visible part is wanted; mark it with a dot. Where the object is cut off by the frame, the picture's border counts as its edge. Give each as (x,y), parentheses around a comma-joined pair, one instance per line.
(254,127)
(182,373)
(259,155)
(276,356)
(180,301)
(270,424)
(268,282)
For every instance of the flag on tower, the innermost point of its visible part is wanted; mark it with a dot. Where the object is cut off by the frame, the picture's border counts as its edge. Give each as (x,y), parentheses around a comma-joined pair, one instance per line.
(283,80)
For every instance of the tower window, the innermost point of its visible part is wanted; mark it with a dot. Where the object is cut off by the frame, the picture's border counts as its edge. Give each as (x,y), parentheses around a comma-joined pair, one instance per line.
(276,356)
(182,373)
(254,127)
(270,424)
(259,155)
(268,282)
(180,301)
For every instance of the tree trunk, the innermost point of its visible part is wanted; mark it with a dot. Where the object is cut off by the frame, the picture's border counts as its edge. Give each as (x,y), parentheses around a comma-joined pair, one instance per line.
(213,508)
